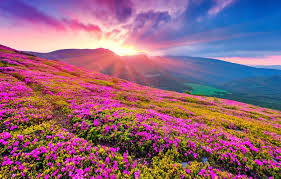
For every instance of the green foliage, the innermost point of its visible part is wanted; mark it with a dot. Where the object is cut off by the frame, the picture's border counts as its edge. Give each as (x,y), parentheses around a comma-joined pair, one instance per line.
(198,89)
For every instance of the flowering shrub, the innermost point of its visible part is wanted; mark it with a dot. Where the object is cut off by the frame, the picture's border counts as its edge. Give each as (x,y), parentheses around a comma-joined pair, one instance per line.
(61,121)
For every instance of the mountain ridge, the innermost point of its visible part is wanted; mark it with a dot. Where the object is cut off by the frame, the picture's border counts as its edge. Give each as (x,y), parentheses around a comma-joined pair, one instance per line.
(176,72)
(41,54)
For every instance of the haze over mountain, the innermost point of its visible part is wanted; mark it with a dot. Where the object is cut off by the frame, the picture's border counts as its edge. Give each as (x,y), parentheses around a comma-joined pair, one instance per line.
(175,72)
(276,67)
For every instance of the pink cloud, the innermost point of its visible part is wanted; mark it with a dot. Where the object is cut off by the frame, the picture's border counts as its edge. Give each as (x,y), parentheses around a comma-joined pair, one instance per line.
(77,25)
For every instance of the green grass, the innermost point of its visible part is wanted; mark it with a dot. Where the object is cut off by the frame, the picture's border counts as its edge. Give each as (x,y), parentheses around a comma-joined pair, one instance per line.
(198,89)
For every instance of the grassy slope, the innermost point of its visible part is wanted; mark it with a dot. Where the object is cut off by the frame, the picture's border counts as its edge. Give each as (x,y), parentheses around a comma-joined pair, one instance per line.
(198,89)
(58,120)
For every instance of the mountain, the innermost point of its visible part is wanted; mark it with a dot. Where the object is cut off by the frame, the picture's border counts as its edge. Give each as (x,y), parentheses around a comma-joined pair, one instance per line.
(140,68)
(214,72)
(256,90)
(62,121)
(183,68)
(266,85)
(276,67)
(177,73)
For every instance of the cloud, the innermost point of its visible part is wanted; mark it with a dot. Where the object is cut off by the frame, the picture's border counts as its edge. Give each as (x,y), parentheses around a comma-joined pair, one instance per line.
(124,9)
(76,25)
(153,25)
(149,21)
(131,21)
(19,10)
(219,6)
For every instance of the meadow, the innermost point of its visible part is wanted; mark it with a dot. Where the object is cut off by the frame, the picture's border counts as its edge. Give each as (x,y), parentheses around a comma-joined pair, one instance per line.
(62,121)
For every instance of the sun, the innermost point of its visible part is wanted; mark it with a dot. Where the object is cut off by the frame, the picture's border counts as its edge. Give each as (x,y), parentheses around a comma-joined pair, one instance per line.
(120,49)
(126,50)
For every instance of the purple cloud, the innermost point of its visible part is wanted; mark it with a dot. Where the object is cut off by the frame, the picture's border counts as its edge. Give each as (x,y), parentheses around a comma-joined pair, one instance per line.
(147,22)
(124,9)
(19,10)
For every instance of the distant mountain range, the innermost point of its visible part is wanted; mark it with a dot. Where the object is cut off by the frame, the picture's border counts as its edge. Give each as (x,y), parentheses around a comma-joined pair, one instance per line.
(276,67)
(258,86)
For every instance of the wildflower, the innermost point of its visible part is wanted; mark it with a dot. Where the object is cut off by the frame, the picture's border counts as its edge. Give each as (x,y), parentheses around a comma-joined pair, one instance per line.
(137,174)
(107,128)
(114,127)
(16,143)
(258,162)
(107,160)
(202,171)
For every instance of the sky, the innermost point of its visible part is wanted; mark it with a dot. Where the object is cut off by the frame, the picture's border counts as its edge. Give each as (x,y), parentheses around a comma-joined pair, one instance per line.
(240,31)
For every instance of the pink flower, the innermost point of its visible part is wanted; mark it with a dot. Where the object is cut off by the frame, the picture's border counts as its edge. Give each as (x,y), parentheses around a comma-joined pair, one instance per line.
(16,143)
(202,171)
(21,167)
(6,135)
(137,174)
(107,160)
(96,122)
(195,155)
(258,162)
(107,128)
(114,127)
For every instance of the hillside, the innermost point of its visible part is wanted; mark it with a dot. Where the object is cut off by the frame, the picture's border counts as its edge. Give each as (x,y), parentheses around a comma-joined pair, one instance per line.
(60,120)
(176,73)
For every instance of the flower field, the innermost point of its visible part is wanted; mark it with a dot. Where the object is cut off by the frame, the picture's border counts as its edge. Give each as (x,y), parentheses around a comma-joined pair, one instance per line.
(62,121)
